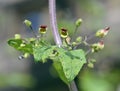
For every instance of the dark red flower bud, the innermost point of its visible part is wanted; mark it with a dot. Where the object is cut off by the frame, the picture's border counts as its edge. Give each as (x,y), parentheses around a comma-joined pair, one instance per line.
(102,32)
(43,29)
(64,33)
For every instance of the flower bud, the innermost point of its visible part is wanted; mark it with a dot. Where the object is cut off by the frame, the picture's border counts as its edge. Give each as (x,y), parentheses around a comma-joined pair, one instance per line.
(90,65)
(64,33)
(78,22)
(97,46)
(79,39)
(92,60)
(22,45)
(32,40)
(103,32)
(26,55)
(74,43)
(42,29)
(101,45)
(27,23)
(17,36)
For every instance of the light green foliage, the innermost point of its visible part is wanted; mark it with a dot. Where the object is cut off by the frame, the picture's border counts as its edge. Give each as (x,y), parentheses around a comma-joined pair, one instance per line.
(42,53)
(70,62)
(16,43)
(57,65)
(67,63)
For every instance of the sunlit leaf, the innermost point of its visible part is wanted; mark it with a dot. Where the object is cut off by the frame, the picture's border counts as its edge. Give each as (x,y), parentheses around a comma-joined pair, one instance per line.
(16,43)
(71,63)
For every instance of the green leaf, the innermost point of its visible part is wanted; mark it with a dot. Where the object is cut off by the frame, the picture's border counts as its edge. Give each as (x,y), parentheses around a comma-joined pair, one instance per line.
(71,63)
(16,43)
(57,65)
(27,48)
(47,53)
(42,51)
(38,52)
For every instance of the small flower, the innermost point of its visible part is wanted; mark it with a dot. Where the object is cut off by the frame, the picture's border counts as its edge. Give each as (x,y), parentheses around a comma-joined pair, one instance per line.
(28,23)
(64,33)
(78,22)
(17,36)
(42,29)
(97,46)
(103,32)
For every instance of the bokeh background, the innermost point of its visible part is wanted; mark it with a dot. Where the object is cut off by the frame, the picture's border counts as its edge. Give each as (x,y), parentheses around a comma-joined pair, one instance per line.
(25,75)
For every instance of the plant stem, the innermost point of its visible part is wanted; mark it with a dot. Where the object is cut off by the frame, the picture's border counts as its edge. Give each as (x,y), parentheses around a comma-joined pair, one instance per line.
(72,86)
(52,12)
(74,33)
(58,41)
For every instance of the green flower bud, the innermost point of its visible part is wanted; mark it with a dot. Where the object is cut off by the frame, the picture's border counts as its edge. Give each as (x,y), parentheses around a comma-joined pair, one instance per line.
(22,45)
(27,23)
(64,33)
(78,22)
(42,29)
(79,39)
(74,44)
(32,39)
(90,65)
(26,55)
(17,36)
(102,33)
(97,46)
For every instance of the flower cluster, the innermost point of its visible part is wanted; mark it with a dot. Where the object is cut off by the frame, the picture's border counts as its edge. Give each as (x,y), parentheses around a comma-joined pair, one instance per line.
(26,46)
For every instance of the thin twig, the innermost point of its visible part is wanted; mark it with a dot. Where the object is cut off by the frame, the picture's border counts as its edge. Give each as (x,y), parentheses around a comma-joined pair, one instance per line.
(33,31)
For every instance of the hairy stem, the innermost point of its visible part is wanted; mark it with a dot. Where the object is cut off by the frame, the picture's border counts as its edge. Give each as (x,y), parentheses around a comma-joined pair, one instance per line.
(52,12)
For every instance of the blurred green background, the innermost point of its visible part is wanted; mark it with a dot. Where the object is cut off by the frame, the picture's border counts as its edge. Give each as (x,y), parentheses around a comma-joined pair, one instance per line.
(25,75)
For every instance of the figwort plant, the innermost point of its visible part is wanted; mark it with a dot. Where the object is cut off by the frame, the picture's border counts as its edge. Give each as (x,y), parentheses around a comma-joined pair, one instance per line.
(68,59)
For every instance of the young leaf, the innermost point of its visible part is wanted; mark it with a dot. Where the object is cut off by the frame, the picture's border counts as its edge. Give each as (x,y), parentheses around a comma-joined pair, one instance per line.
(16,43)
